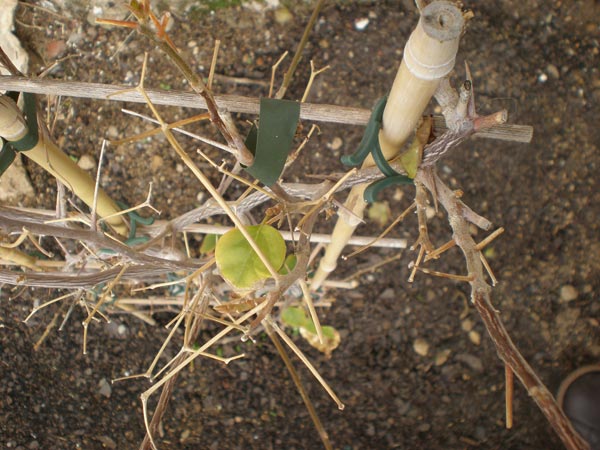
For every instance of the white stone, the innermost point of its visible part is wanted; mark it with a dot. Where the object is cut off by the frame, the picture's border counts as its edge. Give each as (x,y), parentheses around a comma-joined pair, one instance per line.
(87,162)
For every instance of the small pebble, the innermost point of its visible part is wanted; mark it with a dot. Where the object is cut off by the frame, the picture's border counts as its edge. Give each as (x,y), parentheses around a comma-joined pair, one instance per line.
(568,293)
(474,337)
(361,24)
(112,132)
(324,43)
(336,143)
(107,442)
(87,162)
(388,294)
(553,71)
(283,15)
(473,362)
(467,325)
(402,407)
(442,356)
(105,388)
(421,347)
(424,428)
(185,434)
(156,163)
(55,49)
(75,39)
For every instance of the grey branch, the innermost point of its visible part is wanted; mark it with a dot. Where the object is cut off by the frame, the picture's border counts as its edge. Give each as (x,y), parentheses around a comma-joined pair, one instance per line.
(233,103)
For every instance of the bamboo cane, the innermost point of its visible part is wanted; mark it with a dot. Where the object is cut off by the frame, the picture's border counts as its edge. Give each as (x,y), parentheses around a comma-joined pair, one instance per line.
(429,55)
(45,153)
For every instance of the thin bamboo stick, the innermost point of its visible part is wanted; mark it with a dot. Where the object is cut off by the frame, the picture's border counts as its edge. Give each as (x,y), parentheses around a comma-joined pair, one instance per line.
(429,56)
(314,237)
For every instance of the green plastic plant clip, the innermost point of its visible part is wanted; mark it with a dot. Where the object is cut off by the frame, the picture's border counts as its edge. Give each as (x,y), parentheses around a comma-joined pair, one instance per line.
(134,219)
(272,141)
(373,190)
(9,149)
(7,156)
(369,144)
(371,137)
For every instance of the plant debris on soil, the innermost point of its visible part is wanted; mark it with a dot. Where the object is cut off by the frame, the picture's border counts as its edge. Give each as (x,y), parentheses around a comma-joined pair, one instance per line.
(415,366)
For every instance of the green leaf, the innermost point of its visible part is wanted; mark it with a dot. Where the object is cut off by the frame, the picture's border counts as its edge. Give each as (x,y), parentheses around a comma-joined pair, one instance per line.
(380,212)
(273,142)
(295,317)
(489,253)
(288,264)
(240,264)
(411,158)
(208,244)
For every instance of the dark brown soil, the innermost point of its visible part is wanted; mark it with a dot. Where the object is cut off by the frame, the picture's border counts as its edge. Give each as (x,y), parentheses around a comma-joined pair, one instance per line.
(539,59)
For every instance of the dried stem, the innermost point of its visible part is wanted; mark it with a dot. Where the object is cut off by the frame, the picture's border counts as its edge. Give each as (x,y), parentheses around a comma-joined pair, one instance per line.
(296,379)
(233,103)
(167,390)
(287,78)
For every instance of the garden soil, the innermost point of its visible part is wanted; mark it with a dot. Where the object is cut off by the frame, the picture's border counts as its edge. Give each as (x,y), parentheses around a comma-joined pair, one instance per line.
(537,59)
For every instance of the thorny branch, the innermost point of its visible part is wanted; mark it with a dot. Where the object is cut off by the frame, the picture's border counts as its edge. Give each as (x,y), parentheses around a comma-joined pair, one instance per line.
(152,261)
(462,119)
(481,298)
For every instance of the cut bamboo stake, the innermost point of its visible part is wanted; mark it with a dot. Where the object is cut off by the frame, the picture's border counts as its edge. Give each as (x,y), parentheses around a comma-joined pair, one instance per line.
(429,56)
(45,153)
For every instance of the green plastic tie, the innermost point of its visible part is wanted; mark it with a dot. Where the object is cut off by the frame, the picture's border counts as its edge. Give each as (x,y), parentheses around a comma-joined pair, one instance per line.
(132,240)
(7,156)
(31,139)
(272,141)
(9,150)
(134,219)
(369,144)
